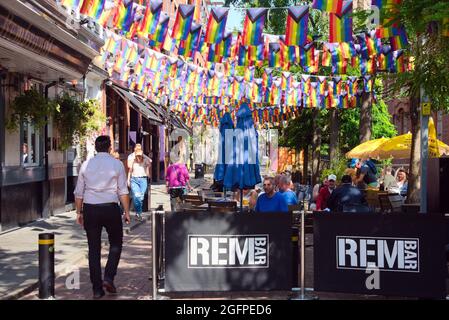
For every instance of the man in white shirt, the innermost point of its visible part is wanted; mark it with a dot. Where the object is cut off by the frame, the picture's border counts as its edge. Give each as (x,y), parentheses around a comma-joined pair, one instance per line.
(101,184)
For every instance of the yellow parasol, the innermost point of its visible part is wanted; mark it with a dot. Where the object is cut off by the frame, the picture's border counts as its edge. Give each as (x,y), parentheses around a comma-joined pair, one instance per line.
(365,149)
(400,147)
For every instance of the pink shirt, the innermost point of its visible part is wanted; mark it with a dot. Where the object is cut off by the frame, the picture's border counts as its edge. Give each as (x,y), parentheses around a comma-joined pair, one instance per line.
(177,175)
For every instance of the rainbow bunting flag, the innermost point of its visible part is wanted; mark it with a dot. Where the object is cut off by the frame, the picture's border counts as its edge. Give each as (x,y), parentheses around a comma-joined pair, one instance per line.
(183,22)
(110,10)
(150,19)
(71,4)
(92,8)
(213,54)
(387,32)
(189,46)
(274,56)
(399,61)
(125,15)
(297,26)
(400,41)
(227,45)
(340,25)
(253,26)
(113,42)
(307,58)
(161,30)
(216,25)
(332,6)
(169,44)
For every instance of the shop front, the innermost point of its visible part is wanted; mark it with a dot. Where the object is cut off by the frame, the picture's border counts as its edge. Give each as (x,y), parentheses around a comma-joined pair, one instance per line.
(35,53)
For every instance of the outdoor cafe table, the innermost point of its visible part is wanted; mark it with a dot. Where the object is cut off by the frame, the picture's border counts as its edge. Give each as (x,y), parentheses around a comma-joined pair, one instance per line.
(210,251)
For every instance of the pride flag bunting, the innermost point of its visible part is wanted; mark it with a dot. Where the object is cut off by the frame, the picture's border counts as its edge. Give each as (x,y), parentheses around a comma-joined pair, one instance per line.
(400,41)
(297,26)
(332,6)
(183,22)
(161,30)
(340,25)
(125,15)
(92,8)
(190,45)
(253,26)
(216,25)
(151,17)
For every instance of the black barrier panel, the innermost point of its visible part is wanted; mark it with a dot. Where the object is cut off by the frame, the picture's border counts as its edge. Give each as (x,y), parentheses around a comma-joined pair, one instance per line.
(407,250)
(227,252)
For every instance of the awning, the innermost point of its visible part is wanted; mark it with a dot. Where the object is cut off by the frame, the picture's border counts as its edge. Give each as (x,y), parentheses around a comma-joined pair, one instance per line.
(174,118)
(139,105)
(177,122)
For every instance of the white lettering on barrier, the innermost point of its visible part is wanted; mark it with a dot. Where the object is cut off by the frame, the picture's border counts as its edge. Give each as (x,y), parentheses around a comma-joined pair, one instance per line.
(240,251)
(387,254)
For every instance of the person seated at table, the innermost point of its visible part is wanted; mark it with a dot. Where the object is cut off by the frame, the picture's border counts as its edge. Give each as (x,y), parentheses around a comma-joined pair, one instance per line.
(270,200)
(249,197)
(347,198)
(325,192)
(287,193)
(401,181)
(387,180)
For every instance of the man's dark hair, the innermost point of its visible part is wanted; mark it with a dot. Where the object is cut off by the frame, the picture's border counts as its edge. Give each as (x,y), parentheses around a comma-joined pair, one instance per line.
(346,179)
(102,144)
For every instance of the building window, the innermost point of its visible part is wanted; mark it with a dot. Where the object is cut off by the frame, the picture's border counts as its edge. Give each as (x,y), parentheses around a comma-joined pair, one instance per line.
(30,145)
(31,136)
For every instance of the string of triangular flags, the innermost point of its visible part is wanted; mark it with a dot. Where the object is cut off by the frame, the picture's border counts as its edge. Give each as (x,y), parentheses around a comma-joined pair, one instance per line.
(149,25)
(200,94)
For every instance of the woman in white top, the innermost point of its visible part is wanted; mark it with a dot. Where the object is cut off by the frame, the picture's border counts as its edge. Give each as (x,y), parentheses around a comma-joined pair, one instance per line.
(138,174)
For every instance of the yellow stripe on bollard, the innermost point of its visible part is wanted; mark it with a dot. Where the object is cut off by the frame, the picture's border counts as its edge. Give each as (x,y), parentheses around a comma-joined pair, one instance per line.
(44,242)
(295,238)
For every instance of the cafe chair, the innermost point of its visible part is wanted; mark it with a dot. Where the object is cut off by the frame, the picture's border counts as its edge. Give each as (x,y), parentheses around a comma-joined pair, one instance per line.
(193,199)
(222,206)
(188,207)
(391,203)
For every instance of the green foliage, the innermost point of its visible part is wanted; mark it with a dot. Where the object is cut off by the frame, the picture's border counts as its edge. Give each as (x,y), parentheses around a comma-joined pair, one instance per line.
(74,120)
(422,19)
(337,167)
(30,106)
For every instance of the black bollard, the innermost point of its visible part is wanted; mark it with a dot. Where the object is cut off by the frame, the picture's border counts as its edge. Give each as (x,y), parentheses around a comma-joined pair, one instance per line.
(46,265)
(295,256)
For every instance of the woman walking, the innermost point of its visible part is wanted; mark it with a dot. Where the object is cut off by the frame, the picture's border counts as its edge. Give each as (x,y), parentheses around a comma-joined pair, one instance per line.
(138,174)
(177,182)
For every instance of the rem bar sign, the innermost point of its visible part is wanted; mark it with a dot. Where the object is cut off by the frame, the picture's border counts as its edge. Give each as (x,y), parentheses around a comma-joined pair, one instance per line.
(233,251)
(386,254)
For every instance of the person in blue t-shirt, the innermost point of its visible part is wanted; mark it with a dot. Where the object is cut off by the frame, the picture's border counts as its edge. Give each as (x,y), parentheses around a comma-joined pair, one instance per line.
(270,200)
(287,193)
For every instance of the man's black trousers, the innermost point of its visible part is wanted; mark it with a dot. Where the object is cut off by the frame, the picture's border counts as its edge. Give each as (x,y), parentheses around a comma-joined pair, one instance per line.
(95,218)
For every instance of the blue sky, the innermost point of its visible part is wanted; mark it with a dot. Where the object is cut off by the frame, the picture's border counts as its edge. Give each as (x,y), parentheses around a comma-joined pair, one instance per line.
(235,18)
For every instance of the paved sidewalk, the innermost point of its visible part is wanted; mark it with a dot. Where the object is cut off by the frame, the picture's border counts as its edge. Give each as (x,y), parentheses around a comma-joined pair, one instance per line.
(19,247)
(19,270)
(132,279)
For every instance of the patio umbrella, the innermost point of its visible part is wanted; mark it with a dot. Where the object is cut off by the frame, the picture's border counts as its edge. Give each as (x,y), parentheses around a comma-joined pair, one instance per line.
(221,166)
(244,173)
(399,147)
(365,149)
